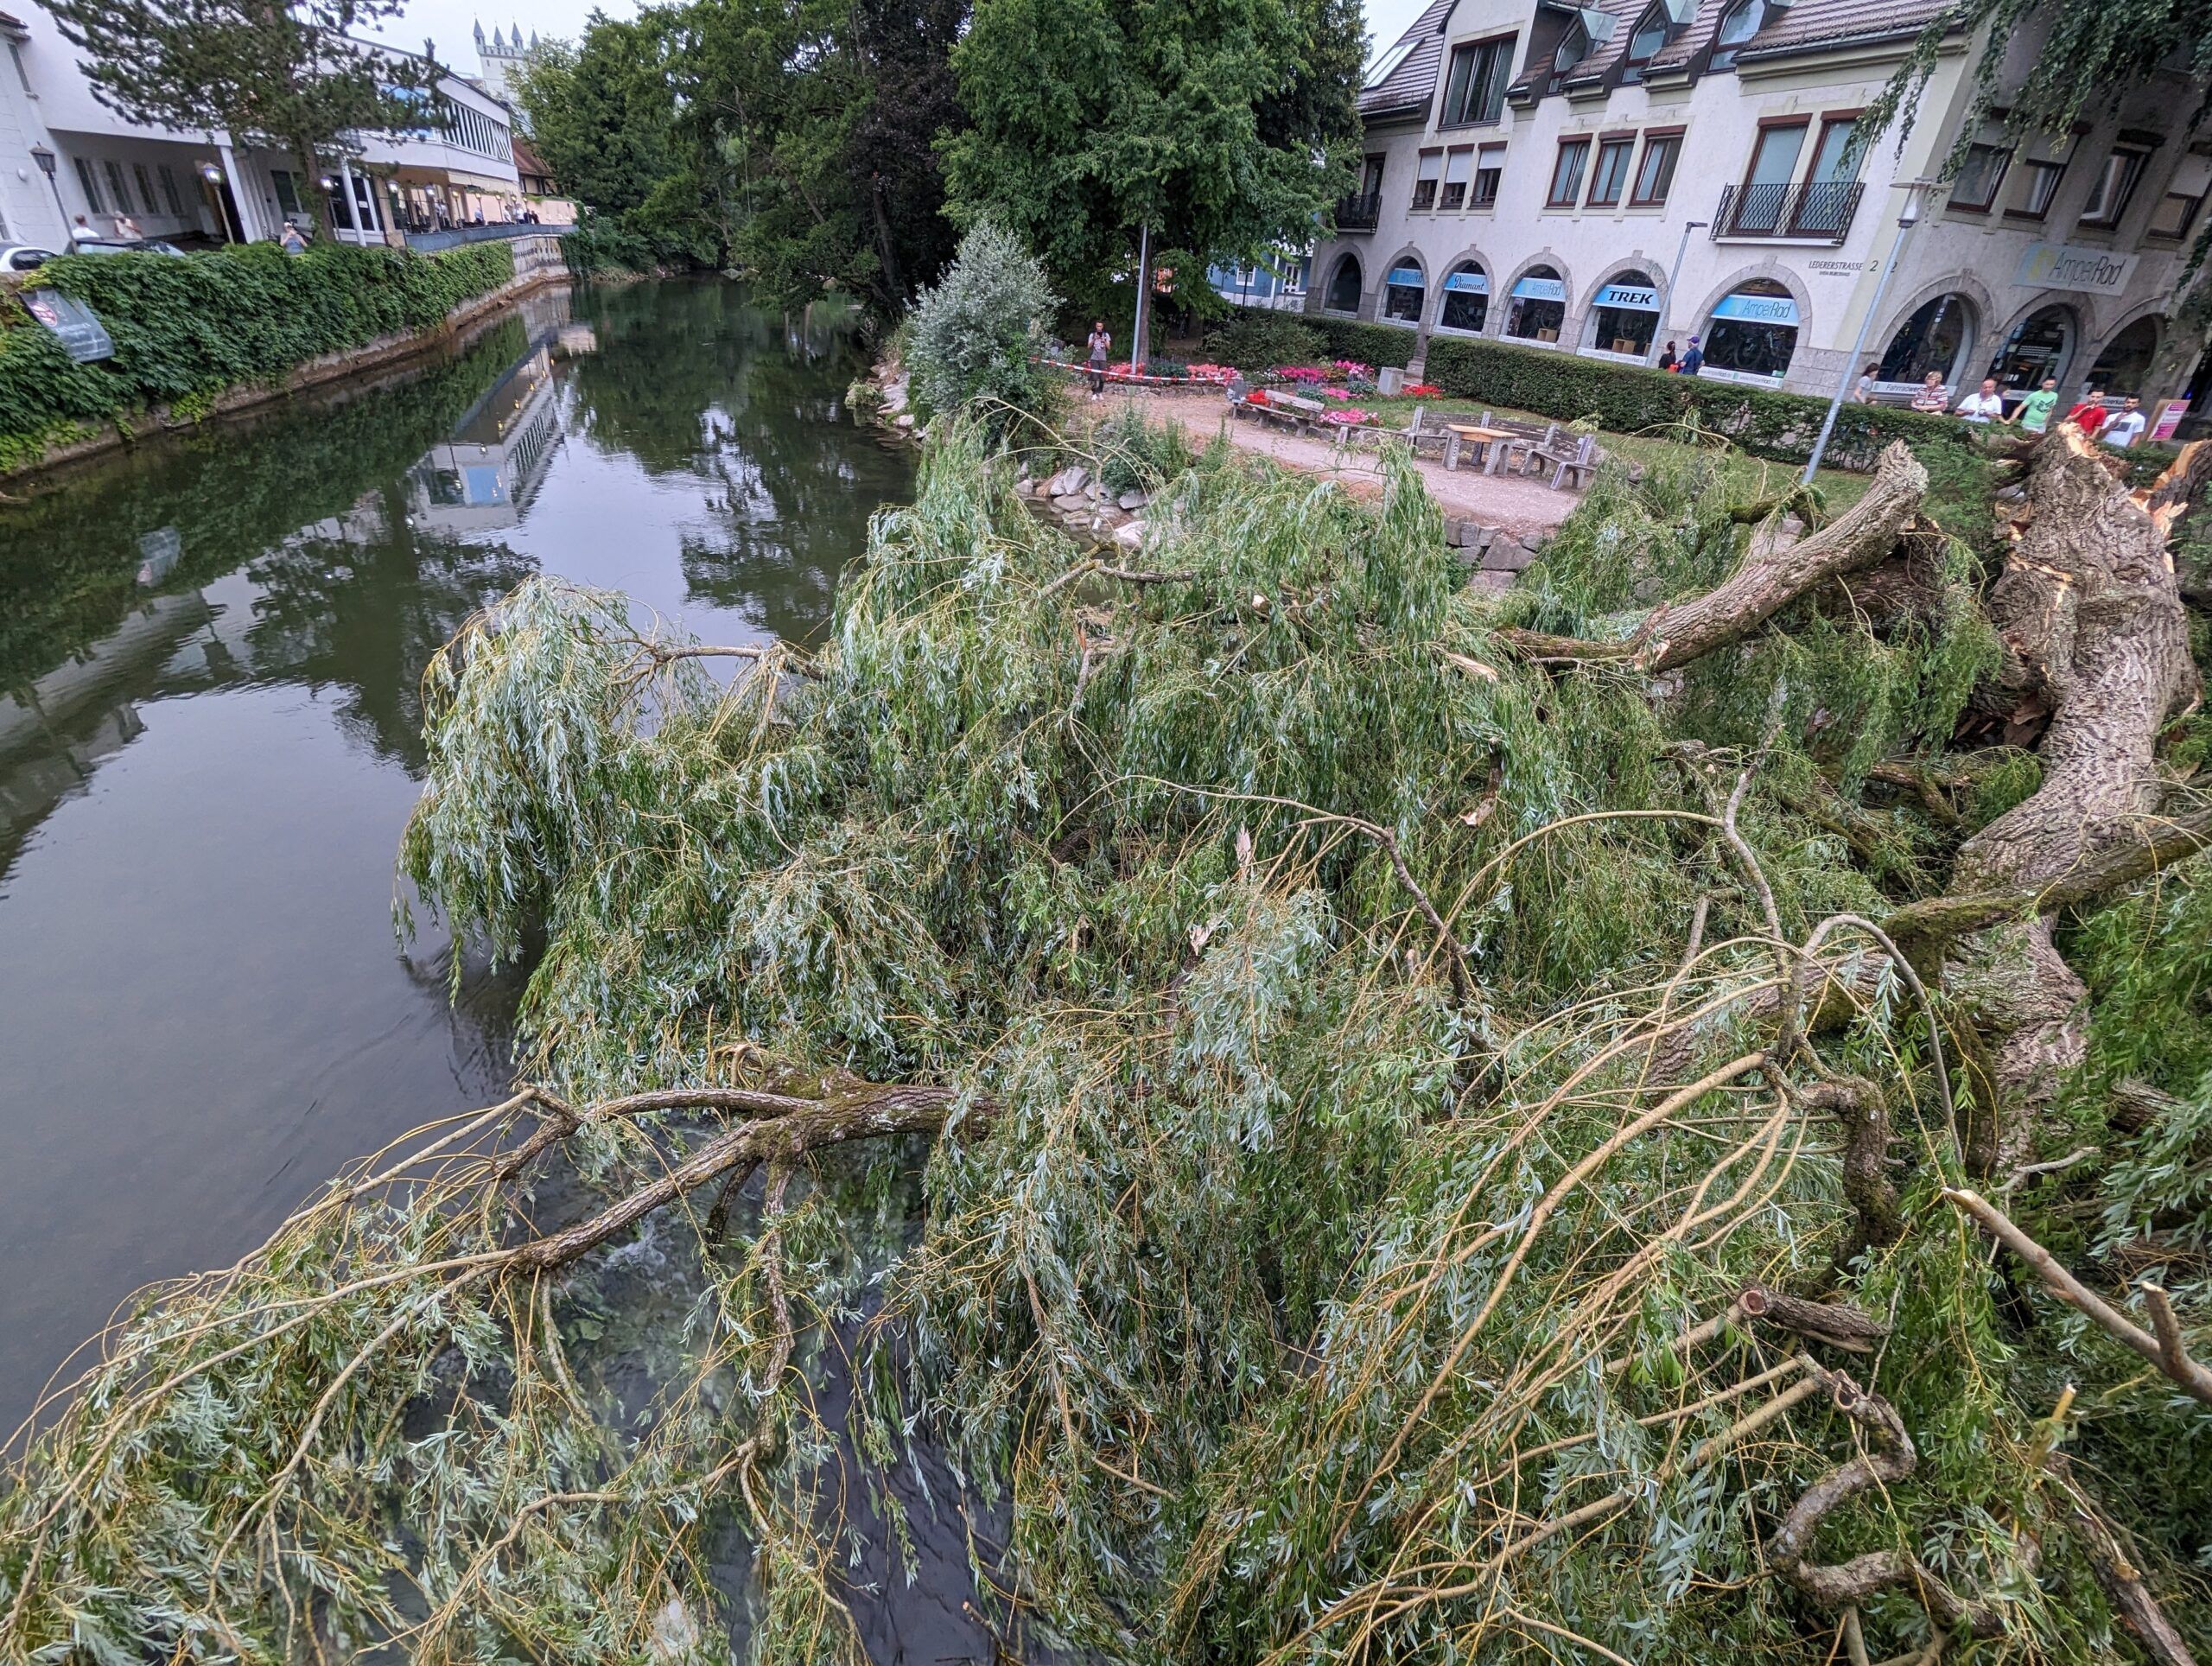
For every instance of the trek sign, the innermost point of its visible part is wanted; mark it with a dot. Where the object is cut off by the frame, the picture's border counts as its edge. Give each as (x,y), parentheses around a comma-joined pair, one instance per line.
(2059,266)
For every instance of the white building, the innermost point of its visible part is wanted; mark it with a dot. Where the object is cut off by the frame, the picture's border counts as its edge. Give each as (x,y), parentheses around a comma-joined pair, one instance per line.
(65,156)
(501,59)
(1605,178)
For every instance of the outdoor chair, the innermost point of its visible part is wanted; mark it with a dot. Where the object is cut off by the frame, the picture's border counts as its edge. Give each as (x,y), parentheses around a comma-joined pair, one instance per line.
(1574,459)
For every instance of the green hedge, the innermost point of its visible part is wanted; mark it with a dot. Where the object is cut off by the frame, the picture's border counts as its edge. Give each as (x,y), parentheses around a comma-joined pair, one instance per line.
(1626,400)
(185,330)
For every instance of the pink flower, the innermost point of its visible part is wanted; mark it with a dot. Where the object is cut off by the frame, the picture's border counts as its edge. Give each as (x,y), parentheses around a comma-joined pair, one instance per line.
(1348,416)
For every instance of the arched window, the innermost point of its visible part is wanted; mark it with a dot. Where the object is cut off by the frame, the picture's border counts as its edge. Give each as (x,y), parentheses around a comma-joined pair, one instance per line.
(2125,360)
(1405,294)
(1624,316)
(1738,24)
(1343,286)
(1539,305)
(1753,330)
(1466,298)
(2039,346)
(1938,337)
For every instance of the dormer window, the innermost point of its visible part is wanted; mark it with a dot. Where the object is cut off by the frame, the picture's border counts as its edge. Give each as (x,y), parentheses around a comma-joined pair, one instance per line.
(1572,50)
(1738,24)
(1387,64)
(1650,35)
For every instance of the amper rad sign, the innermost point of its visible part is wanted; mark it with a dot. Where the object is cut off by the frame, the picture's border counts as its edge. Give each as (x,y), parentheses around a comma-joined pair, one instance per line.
(2060,266)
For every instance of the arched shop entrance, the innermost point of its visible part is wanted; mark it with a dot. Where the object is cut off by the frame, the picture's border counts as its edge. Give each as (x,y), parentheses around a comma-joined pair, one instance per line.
(2125,360)
(1467,299)
(1624,316)
(1342,294)
(1405,294)
(1539,305)
(2041,344)
(1939,336)
(1753,330)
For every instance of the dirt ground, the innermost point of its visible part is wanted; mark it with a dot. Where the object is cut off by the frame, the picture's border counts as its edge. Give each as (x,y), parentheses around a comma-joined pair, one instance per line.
(1527,508)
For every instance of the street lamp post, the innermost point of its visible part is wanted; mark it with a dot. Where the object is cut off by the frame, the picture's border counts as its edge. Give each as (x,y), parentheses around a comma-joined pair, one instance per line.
(1915,191)
(1676,271)
(48,162)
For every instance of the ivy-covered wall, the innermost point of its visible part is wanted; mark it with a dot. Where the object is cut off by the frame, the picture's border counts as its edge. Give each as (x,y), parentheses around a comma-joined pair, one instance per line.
(186,330)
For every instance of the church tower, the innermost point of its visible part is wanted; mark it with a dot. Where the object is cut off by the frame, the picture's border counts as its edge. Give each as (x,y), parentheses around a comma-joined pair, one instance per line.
(501,58)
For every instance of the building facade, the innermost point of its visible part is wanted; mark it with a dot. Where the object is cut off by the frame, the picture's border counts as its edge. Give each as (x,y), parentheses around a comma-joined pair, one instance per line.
(65,156)
(1606,179)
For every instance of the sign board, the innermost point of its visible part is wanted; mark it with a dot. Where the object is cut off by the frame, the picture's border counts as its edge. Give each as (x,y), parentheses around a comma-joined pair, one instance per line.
(1758,308)
(1405,277)
(2168,417)
(1467,283)
(1541,289)
(1632,296)
(82,336)
(2060,266)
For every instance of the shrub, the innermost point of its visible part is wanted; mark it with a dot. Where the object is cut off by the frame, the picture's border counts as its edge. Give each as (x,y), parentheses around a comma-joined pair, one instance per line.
(1261,341)
(185,330)
(1133,456)
(1626,400)
(973,338)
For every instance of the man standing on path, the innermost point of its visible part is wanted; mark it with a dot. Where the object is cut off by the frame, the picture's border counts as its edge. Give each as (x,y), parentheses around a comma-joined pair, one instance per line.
(2126,428)
(1986,406)
(2034,414)
(1101,345)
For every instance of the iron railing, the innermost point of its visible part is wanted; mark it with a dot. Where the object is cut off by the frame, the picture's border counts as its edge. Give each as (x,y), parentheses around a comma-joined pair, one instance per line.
(1818,212)
(1359,213)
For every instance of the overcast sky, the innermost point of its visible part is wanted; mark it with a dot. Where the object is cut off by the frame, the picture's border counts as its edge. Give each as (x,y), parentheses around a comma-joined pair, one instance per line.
(452,23)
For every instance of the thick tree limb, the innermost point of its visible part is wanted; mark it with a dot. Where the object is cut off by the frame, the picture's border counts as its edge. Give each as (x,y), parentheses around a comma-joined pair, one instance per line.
(2164,1350)
(1839,1323)
(2118,1576)
(1774,575)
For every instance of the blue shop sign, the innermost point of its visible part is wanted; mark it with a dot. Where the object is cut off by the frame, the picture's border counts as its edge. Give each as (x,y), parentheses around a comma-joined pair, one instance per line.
(1405,278)
(1541,289)
(83,337)
(1467,283)
(1758,308)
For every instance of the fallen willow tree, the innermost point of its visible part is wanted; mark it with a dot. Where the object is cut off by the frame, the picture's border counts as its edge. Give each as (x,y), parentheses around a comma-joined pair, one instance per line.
(1561,1127)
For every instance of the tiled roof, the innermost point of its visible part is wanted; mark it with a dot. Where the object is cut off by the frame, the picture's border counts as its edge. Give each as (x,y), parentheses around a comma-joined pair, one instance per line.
(1606,54)
(1835,23)
(9,20)
(1686,45)
(1413,83)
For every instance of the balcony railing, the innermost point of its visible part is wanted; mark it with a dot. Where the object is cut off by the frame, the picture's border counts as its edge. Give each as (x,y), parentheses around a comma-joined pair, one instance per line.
(1809,214)
(1359,213)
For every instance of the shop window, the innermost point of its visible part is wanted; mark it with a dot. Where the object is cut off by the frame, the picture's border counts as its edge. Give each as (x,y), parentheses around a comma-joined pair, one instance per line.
(2125,360)
(1343,286)
(1936,338)
(1425,181)
(1404,295)
(1753,331)
(1459,166)
(1566,173)
(1980,176)
(1624,316)
(1490,173)
(2037,347)
(1655,174)
(1539,306)
(1474,88)
(1467,299)
(1609,176)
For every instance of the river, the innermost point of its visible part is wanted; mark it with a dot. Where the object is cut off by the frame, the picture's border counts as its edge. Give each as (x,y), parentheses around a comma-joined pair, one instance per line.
(210,740)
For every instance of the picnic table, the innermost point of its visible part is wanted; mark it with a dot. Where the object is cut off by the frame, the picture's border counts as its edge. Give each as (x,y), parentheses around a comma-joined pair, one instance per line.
(1474,433)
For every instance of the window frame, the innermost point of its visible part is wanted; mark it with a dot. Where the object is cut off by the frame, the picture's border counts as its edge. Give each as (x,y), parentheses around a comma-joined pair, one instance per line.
(1654,136)
(2130,180)
(169,192)
(88,180)
(2005,155)
(1723,55)
(1579,146)
(1501,76)
(1655,16)
(118,188)
(1445,202)
(2034,171)
(1475,197)
(1622,145)
(1418,203)
(2152,227)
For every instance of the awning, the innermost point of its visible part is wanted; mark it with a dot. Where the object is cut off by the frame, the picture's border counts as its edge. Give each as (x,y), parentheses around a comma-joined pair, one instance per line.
(1467,283)
(1758,308)
(1407,278)
(1541,289)
(1631,297)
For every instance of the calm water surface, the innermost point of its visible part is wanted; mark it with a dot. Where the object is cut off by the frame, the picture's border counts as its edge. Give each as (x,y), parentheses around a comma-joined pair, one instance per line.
(209,741)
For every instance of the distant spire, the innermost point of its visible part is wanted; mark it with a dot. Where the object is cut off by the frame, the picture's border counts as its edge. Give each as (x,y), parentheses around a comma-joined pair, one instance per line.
(533,40)
(480,34)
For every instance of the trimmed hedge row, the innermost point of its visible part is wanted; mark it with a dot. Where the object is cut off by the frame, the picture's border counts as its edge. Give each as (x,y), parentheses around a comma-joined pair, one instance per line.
(1778,426)
(1372,344)
(185,330)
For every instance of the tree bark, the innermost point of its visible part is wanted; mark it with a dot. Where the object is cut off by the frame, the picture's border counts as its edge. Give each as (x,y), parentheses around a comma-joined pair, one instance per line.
(2087,603)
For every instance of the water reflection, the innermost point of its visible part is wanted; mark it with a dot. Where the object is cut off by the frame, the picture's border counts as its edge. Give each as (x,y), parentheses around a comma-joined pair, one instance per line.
(210,651)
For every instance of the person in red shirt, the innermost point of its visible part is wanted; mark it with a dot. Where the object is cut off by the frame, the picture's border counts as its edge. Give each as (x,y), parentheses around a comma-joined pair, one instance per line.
(2088,416)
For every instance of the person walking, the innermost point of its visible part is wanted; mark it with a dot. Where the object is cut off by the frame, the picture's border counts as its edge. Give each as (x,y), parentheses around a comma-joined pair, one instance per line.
(1693,360)
(1986,406)
(1934,397)
(2034,414)
(1667,360)
(1101,345)
(2126,427)
(1867,378)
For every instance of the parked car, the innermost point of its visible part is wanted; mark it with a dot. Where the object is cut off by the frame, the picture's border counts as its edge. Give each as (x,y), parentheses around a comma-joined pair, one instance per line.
(125,245)
(23,257)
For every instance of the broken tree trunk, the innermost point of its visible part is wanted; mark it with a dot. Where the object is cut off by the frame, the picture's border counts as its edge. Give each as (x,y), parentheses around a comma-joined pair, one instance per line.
(1775,573)
(2087,603)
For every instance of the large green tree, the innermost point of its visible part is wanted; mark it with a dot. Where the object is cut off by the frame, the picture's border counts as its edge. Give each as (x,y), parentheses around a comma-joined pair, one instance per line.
(1224,125)
(294,77)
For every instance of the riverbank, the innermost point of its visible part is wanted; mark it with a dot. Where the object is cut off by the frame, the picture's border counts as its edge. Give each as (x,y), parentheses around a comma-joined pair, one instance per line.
(48,403)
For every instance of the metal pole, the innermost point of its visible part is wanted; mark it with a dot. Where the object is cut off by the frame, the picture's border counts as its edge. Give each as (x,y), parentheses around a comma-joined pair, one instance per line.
(1144,288)
(1674,274)
(1906,220)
